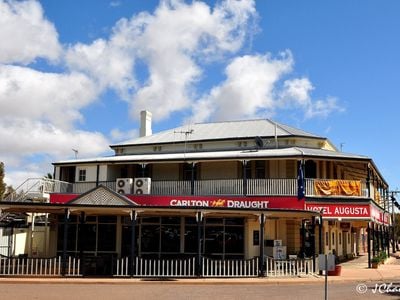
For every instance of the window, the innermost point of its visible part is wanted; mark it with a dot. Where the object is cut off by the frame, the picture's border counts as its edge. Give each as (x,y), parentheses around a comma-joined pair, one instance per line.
(260,169)
(187,171)
(326,239)
(82,175)
(333,238)
(340,237)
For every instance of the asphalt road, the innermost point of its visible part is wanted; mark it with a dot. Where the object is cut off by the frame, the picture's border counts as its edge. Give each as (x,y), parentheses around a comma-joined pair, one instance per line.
(176,291)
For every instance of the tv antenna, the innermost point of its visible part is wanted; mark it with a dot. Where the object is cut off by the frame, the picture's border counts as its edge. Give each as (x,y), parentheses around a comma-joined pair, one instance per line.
(186,133)
(76,153)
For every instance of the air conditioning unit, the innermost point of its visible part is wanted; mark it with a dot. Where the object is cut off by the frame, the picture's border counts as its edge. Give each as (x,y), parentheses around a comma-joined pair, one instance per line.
(142,186)
(124,185)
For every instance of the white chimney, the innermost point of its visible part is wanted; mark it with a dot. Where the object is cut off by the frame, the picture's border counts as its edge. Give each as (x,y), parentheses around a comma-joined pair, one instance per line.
(145,123)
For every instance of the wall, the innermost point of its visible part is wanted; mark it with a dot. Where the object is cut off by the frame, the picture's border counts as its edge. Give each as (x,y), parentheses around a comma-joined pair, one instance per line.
(166,171)
(91,172)
(251,250)
(293,236)
(219,170)
(273,230)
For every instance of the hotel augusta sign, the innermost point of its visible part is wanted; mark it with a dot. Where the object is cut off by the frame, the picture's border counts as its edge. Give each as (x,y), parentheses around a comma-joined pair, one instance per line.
(358,211)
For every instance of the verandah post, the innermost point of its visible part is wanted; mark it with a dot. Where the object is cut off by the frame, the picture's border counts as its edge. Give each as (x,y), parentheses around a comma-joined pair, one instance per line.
(244,162)
(65,240)
(313,241)
(199,219)
(369,244)
(261,270)
(133,216)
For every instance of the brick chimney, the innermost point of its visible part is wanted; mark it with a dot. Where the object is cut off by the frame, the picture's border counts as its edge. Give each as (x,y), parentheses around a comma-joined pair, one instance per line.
(145,123)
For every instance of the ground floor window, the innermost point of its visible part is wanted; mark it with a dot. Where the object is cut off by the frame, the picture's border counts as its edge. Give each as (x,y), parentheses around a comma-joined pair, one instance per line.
(96,235)
(157,237)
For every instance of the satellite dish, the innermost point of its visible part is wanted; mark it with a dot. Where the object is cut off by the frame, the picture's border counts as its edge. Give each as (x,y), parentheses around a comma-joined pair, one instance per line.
(259,142)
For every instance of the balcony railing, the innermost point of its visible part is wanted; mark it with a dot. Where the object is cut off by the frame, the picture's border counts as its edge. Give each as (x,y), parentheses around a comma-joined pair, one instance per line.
(255,187)
(335,188)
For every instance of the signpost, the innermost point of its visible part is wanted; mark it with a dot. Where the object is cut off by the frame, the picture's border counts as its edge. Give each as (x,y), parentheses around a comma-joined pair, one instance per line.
(326,262)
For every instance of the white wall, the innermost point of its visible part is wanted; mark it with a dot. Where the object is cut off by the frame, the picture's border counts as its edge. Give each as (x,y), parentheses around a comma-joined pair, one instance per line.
(91,172)
(103,173)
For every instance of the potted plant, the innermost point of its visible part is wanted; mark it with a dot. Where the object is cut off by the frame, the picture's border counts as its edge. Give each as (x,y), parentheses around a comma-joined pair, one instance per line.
(383,256)
(375,262)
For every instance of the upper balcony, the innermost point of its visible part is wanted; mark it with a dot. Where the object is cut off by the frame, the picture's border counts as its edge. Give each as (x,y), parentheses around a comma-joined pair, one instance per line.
(323,188)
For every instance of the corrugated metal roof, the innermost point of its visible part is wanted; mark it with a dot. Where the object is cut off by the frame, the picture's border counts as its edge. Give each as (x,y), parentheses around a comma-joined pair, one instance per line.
(297,152)
(220,131)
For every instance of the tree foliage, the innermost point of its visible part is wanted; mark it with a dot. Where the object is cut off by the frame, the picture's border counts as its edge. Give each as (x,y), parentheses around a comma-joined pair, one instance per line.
(397,225)
(2,184)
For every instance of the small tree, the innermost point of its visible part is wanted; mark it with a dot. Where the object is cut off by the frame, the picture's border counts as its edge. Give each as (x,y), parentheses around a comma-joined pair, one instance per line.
(2,184)
(397,225)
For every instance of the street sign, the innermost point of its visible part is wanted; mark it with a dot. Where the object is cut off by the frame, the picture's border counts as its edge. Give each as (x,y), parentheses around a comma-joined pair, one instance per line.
(326,264)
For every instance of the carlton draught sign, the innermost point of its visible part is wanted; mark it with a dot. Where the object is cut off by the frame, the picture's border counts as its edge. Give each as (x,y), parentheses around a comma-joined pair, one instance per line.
(218,201)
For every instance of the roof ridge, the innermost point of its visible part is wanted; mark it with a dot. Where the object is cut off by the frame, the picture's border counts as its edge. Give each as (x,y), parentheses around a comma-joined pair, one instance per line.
(230,121)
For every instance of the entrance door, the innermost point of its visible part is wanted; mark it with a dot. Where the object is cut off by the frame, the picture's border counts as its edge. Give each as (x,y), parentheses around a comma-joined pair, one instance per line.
(98,242)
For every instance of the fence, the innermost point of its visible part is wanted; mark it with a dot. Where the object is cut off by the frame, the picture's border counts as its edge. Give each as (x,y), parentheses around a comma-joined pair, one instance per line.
(230,267)
(288,267)
(145,267)
(23,266)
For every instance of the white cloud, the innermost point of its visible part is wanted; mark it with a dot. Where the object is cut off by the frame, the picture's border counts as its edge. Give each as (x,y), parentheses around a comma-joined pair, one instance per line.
(171,43)
(297,90)
(253,89)
(25,34)
(248,90)
(26,138)
(109,63)
(323,108)
(58,98)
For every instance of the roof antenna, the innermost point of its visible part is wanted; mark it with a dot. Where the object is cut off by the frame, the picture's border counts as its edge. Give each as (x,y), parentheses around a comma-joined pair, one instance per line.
(341,146)
(76,153)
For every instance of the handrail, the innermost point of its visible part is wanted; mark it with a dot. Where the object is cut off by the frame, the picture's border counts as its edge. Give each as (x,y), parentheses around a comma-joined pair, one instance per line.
(34,185)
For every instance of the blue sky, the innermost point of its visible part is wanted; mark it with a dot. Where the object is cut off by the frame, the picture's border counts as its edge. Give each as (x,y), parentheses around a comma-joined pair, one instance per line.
(75,74)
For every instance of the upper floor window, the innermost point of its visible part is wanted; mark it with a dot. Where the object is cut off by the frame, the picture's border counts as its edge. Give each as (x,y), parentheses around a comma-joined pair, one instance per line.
(187,171)
(260,169)
(82,175)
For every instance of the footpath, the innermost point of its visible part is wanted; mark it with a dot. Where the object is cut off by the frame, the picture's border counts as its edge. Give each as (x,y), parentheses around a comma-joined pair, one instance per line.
(355,270)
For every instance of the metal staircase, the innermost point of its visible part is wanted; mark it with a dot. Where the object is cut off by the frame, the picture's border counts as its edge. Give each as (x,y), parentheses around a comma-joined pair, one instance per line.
(31,190)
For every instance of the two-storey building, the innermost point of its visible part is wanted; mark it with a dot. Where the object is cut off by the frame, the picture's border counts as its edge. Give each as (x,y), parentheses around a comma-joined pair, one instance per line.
(239,198)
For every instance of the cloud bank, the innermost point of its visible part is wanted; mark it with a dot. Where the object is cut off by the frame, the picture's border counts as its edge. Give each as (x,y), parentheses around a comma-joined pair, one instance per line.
(152,60)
